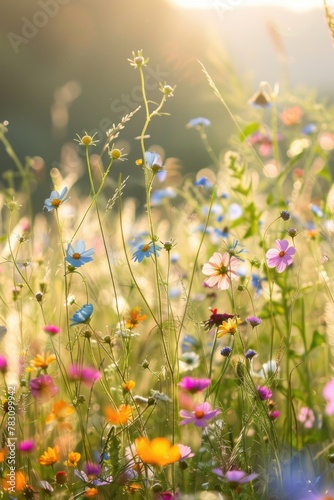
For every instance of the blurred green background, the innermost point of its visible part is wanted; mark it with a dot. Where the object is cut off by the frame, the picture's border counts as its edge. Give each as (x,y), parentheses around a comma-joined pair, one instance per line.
(65,71)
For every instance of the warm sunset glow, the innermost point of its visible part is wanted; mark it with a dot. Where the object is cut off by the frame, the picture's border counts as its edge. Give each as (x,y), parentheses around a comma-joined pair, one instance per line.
(228,5)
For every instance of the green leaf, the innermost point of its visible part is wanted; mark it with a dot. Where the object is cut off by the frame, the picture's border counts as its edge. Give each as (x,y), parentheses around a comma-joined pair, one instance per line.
(250,129)
(317,340)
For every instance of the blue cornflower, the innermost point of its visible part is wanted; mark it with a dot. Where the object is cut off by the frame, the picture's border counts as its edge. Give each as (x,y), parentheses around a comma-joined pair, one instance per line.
(161,194)
(316,210)
(189,343)
(223,233)
(82,315)
(257,282)
(309,129)
(146,250)
(198,122)
(250,354)
(55,200)
(216,209)
(234,251)
(153,160)
(235,211)
(203,181)
(226,351)
(77,256)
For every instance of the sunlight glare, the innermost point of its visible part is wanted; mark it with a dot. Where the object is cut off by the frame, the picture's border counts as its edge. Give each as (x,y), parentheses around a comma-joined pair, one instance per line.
(232,4)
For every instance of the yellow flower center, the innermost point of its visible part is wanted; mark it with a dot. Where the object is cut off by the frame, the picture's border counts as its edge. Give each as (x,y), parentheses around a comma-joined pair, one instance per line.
(56,202)
(115,153)
(76,255)
(86,140)
(223,270)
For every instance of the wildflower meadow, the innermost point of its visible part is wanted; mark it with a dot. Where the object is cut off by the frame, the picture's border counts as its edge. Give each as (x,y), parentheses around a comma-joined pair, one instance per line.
(180,347)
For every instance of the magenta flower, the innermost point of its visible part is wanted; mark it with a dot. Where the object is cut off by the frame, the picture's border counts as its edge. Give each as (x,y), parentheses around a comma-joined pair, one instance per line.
(264,392)
(235,477)
(201,415)
(328,394)
(92,469)
(167,495)
(194,385)
(221,270)
(281,257)
(51,329)
(273,414)
(254,321)
(26,446)
(43,388)
(3,364)
(87,374)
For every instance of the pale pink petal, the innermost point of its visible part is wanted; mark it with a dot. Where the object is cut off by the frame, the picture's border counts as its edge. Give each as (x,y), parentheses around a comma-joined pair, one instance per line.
(273,261)
(287,259)
(281,266)
(208,269)
(217,259)
(290,251)
(213,281)
(204,407)
(234,263)
(224,282)
(186,414)
(328,390)
(225,259)
(282,245)
(272,253)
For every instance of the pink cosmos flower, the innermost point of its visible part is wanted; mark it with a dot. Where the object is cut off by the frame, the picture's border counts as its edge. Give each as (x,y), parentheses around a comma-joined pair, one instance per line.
(221,270)
(87,374)
(328,394)
(194,384)
(281,257)
(200,416)
(185,452)
(51,329)
(306,417)
(43,388)
(235,477)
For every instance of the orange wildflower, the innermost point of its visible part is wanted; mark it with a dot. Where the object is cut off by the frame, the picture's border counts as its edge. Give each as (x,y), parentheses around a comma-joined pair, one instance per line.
(20,482)
(135,318)
(134,487)
(128,386)
(50,456)
(159,451)
(291,116)
(43,360)
(72,459)
(91,492)
(60,411)
(119,415)
(3,454)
